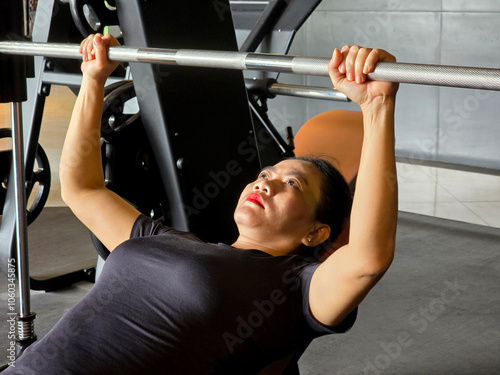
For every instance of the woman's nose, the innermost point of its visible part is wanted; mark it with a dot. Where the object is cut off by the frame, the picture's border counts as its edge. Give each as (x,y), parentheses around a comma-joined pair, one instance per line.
(263,186)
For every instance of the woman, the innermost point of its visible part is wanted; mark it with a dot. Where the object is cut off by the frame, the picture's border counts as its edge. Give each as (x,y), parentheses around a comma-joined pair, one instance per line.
(169,303)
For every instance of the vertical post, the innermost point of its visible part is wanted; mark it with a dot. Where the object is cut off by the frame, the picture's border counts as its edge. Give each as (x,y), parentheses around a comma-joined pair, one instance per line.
(26,18)
(25,318)
(14,25)
(20,199)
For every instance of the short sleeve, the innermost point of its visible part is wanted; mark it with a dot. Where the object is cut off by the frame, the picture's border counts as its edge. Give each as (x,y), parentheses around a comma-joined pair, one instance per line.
(145,226)
(316,326)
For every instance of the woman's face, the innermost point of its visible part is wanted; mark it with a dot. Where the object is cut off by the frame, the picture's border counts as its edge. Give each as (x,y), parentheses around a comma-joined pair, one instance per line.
(280,205)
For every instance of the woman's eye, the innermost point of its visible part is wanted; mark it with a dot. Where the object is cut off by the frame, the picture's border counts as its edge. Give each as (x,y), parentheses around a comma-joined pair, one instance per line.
(263,175)
(292,183)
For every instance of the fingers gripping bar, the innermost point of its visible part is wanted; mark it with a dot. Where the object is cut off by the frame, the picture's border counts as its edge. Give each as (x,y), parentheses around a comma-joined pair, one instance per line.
(438,75)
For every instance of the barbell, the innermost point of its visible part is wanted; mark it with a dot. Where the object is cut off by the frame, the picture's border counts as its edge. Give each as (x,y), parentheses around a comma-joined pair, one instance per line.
(424,74)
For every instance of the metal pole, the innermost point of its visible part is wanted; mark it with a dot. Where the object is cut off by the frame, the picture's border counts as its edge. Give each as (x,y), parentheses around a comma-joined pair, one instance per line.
(26,16)
(25,316)
(439,75)
(310,92)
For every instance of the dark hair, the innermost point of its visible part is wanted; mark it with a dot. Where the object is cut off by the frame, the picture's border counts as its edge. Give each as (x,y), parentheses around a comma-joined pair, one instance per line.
(336,196)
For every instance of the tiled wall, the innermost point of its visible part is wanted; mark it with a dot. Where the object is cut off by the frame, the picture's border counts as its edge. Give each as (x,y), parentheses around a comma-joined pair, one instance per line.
(446,124)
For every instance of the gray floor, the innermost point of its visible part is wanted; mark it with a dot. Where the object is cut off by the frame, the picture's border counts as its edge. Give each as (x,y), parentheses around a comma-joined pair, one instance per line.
(437,310)
(59,244)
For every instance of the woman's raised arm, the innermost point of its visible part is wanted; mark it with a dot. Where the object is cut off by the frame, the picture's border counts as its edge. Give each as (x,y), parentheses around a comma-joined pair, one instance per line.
(106,214)
(344,279)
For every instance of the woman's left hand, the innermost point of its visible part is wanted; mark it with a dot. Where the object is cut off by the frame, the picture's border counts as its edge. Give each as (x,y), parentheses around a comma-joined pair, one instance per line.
(94,50)
(348,69)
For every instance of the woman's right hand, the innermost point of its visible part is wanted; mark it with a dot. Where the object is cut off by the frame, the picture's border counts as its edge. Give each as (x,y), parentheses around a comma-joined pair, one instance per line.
(349,69)
(94,50)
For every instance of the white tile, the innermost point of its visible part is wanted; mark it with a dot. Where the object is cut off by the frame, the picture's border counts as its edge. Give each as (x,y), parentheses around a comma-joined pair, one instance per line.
(418,184)
(470,187)
(449,194)
(430,172)
(424,192)
(444,196)
(408,172)
(489,212)
(417,192)
(417,208)
(457,211)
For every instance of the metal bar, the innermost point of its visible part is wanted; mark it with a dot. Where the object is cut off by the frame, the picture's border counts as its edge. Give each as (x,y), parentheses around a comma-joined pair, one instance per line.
(71,79)
(311,92)
(247,2)
(439,75)
(26,18)
(21,221)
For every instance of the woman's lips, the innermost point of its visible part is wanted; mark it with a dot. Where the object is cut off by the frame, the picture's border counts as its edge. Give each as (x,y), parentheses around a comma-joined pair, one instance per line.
(255,198)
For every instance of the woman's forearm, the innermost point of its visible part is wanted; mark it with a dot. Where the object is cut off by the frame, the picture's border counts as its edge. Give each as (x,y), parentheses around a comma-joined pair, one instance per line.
(375,207)
(81,165)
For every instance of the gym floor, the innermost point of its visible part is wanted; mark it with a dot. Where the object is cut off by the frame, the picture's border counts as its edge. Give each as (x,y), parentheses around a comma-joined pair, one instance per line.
(436,311)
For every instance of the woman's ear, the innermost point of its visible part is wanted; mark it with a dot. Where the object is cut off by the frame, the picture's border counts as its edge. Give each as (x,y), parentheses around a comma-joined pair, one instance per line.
(318,235)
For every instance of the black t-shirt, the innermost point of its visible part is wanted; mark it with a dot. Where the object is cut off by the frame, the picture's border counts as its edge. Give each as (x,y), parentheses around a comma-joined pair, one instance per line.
(168,303)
